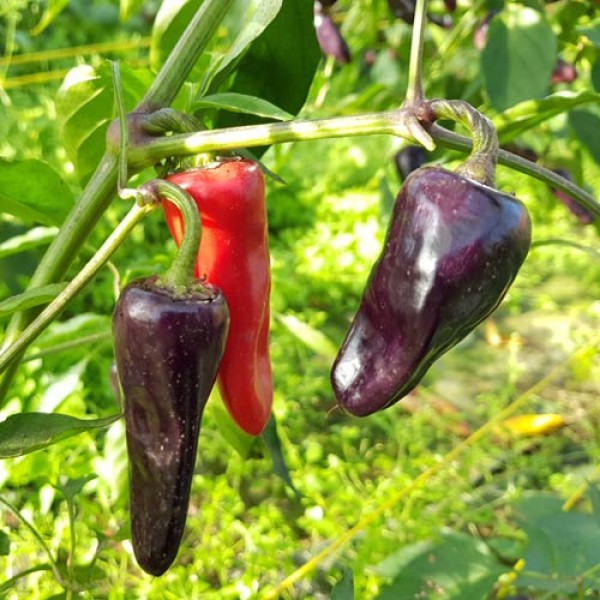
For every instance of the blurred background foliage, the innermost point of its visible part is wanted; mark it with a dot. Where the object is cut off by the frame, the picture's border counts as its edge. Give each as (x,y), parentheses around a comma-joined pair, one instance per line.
(246,529)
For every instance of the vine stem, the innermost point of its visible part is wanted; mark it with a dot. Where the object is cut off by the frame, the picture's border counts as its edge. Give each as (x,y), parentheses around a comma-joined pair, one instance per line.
(422,479)
(454,141)
(180,274)
(414,91)
(112,242)
(399,122)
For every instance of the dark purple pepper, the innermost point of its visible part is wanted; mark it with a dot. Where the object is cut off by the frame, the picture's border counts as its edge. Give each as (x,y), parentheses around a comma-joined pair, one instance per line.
(450,5)
(403,9)
(584,216)
(167,350)
(329,37)
(409,159)
(452,250)
(563,72)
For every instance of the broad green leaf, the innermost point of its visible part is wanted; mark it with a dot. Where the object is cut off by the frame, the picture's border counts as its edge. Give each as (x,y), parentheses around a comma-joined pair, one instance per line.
(591,32)
(240,441)
(27,432)
(30,298)
(586,126)
(344,588)
(242,104)
(594,494)
(519,56)
(311,337)
(32,191)
(280,65)
(85,105)
(255,17)
(35,237)
(271,439)
(528,114)
(461,565)
(561,545)
(244,22)
(53,9)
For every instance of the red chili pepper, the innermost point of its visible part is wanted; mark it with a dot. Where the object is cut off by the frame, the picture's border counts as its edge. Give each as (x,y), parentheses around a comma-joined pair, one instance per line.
(234,255)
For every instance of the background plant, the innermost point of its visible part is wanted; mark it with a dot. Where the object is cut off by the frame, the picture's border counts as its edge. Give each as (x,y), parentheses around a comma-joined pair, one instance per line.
(389,492)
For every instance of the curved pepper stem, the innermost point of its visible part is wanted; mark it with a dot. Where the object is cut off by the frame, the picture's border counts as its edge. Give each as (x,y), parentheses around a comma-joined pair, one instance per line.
(481,164)
(181,272)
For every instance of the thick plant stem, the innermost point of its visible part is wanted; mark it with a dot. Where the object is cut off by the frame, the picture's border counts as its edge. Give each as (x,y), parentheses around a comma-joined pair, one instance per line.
(114,240)
(397,122)
(101,189)
(414,91)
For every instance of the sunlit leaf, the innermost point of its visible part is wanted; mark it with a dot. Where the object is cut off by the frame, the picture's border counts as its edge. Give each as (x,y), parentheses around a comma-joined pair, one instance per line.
(27,432)
(33,191)
(30,298)
(519,56)
(242,104)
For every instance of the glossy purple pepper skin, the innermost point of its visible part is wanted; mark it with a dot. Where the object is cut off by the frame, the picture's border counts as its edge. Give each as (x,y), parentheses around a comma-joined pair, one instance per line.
(329,37)
(452,250)
(167,353)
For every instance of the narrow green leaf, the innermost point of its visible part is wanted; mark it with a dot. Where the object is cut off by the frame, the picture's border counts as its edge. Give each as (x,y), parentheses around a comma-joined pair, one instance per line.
(271,439)
(13,582)
(240,441)
(27,432)
(33,191)
(241,103)
(30,298)
(311,337)
(528,114)
(35,237)
(519,56)
(53,9)
(4,544)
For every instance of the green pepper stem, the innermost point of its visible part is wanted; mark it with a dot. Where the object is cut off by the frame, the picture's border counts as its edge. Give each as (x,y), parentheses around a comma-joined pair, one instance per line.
(181,272)
(414,90)
(481,164)
(112,242)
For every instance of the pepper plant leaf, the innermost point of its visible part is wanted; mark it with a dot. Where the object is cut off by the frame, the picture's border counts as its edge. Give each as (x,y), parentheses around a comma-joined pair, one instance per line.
(33,191)
(27,432)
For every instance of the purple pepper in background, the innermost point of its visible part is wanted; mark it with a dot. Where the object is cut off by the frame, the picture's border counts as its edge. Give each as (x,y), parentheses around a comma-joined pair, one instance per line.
(452,250)
(409,159)
(584,216)
(329,37)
